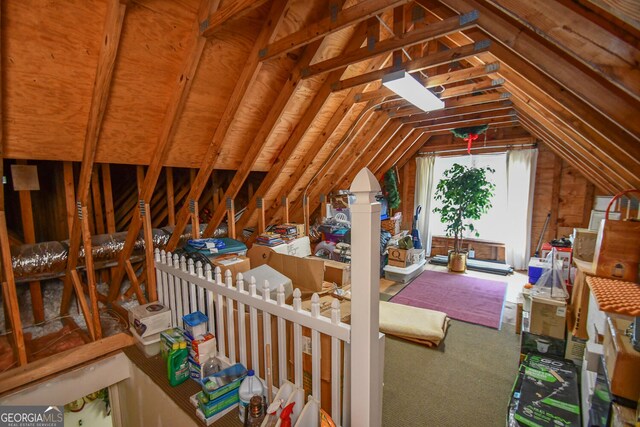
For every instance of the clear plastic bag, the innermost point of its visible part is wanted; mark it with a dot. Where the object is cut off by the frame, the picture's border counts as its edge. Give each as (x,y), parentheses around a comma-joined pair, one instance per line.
(551,284)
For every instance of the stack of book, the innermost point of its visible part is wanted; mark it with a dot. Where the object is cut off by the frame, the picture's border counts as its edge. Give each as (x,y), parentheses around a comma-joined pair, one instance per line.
(269,239)
(287,232)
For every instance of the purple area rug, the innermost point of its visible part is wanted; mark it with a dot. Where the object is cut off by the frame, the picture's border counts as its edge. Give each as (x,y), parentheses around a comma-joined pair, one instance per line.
(462,297)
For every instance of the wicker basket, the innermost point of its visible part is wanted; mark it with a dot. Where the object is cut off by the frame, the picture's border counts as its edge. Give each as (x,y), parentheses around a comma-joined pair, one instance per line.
(392,225)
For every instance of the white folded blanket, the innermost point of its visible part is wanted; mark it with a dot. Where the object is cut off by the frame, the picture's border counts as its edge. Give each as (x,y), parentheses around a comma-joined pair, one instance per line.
(421,325)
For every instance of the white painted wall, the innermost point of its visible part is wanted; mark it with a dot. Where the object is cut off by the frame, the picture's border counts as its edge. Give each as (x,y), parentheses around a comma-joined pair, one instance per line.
(142,403)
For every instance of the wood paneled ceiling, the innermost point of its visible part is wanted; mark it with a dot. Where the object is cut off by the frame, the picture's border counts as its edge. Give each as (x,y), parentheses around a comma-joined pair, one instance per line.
(292,87)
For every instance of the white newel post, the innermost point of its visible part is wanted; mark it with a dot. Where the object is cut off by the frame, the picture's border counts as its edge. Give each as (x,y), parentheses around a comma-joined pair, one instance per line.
(366,369)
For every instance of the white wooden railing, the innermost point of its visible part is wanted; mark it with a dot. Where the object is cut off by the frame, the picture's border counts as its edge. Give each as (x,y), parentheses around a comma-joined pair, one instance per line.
(186,287)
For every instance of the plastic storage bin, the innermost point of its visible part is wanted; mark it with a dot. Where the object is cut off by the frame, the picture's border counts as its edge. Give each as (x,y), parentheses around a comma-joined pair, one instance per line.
(150,345)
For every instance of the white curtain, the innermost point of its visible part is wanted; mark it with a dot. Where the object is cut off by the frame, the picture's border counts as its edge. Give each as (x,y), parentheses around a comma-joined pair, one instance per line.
(521,171)
(423,197)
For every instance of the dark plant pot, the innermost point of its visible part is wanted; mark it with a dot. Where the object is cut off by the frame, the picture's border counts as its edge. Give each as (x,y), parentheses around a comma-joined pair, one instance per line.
(457,262)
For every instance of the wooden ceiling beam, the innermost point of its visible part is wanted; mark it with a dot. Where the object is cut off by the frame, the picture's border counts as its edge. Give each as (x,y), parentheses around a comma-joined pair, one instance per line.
(616,62)
(392,146)
(615,171)
(574,154)
(296,136)
(470,109)
(461,145)
(580,116)
(344,155)
(409,153)
(170,121)
(619,107)
(558,148)
(247,77)
(398,153)
(404,109)
(392,130)
(428,61)
(462,118)
(471,88)
(410,38)
(111,32)
(471,122)
(260,140)
(311,157)
(231,10)
(337,21)
(620,161)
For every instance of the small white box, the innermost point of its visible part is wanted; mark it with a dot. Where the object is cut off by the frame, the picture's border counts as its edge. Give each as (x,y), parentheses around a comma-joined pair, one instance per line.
(150,319)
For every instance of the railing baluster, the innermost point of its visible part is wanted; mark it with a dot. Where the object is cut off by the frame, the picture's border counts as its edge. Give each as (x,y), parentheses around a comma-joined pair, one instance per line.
(230,323)
(171,292)
(242,331)
(316,351)
(336,361)
(199,289)
(266,327)
(210,309)
(253,328)
(193,296)
(346,387)
(297,341)
(222,350)
(177,292)
(184,290)
(282,339)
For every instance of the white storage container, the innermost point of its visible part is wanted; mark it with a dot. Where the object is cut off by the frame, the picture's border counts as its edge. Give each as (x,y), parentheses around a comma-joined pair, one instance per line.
(150,345)
(403,275)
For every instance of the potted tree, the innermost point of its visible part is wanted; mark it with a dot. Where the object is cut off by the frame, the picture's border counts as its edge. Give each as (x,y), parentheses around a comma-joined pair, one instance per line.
(466,195)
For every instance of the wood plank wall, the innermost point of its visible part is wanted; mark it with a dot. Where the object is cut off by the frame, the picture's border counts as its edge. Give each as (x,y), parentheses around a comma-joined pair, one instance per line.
(570,206)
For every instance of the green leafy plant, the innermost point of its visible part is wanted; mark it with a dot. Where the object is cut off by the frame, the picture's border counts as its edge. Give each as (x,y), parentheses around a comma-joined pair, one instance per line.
(391,187)
(466,195)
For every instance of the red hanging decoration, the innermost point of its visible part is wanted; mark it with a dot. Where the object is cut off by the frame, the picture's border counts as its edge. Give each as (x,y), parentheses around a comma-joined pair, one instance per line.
(470,138)
(470,134)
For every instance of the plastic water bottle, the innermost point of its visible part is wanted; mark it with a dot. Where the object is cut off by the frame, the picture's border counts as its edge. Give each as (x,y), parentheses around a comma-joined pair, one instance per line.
(251,386)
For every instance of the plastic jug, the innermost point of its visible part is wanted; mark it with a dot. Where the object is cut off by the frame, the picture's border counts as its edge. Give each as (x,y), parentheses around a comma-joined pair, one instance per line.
(251,386)
(178,365)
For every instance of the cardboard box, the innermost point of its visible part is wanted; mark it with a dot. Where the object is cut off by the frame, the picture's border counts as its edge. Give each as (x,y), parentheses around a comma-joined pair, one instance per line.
(548,317)
(617,252)
(415,256)
(575,348)
(234,264)
(397,254)
(337,272)
(549,394)
(584,244)
(150,319)
(541,344)
(621,360)
(259,254)
(399,264)
(305,273)
(202,349)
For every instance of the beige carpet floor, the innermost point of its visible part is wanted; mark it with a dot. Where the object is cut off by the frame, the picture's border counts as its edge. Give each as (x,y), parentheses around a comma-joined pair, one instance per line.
(464,382)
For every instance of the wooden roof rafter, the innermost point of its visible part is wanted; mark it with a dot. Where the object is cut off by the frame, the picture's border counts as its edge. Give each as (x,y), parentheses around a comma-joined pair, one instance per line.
(410,38)
(172,114)
(233,10)
(337,21)
(579,37)
(419,64)
(278,107)
(247,77)
(111,33)
(400,150)
(298,132)
(619,108)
